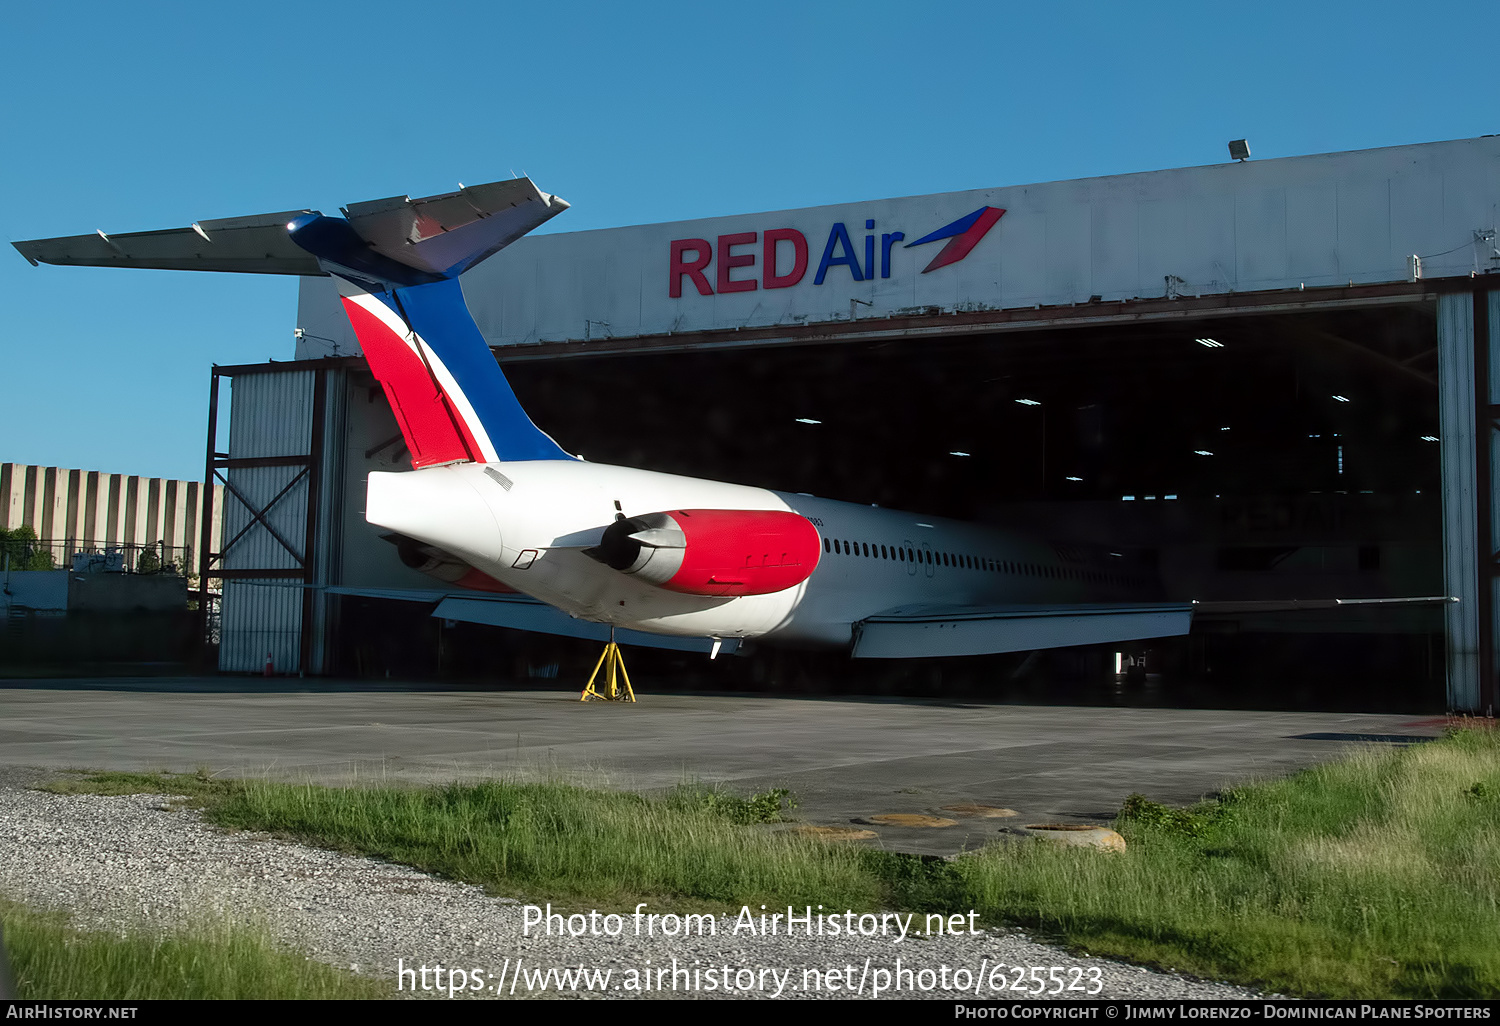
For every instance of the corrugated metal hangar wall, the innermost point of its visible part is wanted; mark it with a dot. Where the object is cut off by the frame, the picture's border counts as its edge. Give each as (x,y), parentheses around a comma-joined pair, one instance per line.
(1402,234)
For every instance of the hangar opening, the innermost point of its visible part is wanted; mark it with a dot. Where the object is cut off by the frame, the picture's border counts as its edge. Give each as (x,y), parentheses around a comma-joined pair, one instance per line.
(1291,419)
(1279,456)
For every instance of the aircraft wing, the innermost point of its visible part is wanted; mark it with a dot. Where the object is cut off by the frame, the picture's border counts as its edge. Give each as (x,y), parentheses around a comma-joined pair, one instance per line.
(915,632)
(1233,607)
(933,631)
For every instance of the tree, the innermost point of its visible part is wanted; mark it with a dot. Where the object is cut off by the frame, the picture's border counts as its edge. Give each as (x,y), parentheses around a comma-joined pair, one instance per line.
(148,562)
(19,543)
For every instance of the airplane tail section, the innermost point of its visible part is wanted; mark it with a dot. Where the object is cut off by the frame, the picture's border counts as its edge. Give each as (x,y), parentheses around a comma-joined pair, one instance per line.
(398,262)
(450,398)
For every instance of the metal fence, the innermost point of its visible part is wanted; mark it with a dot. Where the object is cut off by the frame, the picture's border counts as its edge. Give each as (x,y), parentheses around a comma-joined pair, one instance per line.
(88,556)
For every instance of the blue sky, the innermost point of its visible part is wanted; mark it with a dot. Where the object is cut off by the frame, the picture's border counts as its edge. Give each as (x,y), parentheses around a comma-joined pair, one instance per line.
(126,117)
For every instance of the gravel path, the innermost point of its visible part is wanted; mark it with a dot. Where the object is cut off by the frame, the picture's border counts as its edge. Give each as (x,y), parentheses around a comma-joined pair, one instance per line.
(116,863)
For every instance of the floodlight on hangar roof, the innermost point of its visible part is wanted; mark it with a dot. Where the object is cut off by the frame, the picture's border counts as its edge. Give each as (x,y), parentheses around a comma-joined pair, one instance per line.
(1239,149)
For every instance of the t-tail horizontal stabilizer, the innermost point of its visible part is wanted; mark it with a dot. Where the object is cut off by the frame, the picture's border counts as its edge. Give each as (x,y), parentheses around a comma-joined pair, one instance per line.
(427,239)
(398,262)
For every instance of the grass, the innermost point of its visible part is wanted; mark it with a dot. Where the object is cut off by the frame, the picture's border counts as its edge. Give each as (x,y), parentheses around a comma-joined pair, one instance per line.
(1370,877)
(52,961)
(550,841)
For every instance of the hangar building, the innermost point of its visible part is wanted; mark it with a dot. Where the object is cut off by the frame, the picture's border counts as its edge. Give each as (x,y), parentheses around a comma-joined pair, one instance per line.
(1270,379)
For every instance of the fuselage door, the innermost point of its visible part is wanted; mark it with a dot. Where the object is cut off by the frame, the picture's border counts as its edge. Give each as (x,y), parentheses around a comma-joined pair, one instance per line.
(911,566)
(926,555)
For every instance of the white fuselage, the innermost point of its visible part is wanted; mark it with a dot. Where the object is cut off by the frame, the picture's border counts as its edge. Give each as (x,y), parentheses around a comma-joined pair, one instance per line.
(527,525)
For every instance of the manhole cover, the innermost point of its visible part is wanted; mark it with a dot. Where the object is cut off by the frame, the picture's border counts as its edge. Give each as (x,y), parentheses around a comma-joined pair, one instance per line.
(981,811)
(909,819)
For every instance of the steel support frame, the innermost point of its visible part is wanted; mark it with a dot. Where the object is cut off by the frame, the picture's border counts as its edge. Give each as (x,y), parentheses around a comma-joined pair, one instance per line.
(216,464)
(1469,388)
(1487,474)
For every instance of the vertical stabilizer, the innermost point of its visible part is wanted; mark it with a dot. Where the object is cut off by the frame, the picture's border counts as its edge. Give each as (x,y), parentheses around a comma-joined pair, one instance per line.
(399,261)
(449,395)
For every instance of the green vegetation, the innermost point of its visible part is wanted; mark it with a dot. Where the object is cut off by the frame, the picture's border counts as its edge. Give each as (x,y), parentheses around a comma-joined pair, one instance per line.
(765,807)
(52,961)
(1370,877)
(557,841)
(19,544)
(548,840)
(201,785)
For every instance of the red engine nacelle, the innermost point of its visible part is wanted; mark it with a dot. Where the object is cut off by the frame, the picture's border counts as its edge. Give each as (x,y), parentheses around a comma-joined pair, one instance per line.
(714,551)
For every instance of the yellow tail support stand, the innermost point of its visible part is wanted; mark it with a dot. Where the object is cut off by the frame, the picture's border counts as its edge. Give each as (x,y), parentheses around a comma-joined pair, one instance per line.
(613,664)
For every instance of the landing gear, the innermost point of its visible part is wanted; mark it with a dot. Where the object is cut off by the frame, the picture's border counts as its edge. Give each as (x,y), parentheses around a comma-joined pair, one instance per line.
(613,664)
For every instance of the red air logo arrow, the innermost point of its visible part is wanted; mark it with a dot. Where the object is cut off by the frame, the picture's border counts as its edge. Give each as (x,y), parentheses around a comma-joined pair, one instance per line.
(964,234)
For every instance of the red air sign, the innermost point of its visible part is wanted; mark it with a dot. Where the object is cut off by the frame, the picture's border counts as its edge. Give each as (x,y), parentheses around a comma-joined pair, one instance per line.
(782,255)
(781,248)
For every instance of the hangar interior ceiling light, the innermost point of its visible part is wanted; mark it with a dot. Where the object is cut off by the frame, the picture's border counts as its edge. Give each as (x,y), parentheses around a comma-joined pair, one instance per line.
(1202,452)
(1429,438)
(1075,479)
(808,420)
(1342,398)
(1028,402)
(955,452)
(1210,343)
(1125,498)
